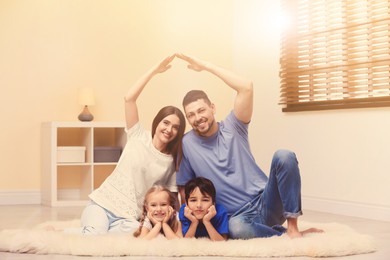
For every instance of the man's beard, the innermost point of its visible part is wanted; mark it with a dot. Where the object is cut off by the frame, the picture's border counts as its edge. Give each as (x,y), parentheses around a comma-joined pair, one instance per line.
(205,130)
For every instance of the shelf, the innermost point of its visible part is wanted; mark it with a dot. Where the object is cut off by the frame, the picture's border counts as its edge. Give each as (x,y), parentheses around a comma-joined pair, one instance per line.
(70,183)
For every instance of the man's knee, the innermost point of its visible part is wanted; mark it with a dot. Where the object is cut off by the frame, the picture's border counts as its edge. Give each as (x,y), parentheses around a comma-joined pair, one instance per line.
(238,229)
(285,159)
(285,155)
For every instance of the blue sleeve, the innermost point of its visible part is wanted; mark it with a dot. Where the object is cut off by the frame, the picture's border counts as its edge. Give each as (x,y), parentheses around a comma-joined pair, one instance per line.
(185,172)
(241,128)
(185,222)
(221,220)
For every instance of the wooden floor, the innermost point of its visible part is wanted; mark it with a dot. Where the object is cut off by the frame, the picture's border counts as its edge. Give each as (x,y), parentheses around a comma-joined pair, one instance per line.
(26,216)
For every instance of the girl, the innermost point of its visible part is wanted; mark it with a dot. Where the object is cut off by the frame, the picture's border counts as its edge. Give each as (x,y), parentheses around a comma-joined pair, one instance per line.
(159,215)
(201,216)
(149,158)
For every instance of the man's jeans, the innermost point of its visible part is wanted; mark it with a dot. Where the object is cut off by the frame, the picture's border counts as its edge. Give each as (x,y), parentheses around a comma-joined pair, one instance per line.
(280,199)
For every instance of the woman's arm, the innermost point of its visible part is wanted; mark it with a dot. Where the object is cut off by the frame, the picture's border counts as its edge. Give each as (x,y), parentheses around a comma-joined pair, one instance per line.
(131,110)
(182,195)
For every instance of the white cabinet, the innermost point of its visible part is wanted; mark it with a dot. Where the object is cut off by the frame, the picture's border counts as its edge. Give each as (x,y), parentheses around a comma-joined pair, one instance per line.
(67,183)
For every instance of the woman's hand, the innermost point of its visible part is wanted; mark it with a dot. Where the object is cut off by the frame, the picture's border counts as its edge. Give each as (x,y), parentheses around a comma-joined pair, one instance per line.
(131,109)
(164,65)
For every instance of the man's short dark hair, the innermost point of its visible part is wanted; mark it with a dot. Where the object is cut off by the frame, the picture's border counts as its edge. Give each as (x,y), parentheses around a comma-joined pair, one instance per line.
(195,95)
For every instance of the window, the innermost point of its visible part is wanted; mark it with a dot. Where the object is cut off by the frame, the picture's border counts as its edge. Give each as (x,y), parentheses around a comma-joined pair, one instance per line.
(335,54)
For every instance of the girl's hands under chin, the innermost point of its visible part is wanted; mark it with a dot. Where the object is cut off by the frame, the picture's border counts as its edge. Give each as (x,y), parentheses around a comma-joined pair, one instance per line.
(151,218)
(168,214)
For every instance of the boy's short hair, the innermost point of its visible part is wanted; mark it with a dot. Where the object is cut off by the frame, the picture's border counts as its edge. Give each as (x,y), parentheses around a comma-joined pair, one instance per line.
(195,95)
(205,186)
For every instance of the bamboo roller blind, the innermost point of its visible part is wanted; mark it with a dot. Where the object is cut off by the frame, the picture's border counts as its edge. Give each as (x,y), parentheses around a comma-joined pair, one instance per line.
(335,54)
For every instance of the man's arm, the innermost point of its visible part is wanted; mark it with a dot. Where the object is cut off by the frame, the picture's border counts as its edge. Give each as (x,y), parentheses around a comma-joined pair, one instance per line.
(243,104)
(182,195)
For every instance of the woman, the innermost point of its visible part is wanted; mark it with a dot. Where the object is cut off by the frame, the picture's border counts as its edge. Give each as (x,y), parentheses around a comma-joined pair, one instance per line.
(148,159)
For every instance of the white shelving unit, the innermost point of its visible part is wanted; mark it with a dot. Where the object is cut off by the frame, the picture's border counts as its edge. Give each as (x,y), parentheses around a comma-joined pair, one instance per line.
(69,184)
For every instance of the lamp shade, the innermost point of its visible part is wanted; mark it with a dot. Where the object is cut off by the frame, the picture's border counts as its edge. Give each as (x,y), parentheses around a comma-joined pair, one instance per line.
(86,97)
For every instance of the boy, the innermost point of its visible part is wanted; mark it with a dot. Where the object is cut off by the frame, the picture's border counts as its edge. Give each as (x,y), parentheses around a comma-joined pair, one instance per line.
(201,216)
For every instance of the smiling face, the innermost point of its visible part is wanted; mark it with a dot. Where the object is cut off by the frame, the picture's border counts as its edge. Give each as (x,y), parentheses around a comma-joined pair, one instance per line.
(158,204)
(200,116)
(199,203)
(166,131)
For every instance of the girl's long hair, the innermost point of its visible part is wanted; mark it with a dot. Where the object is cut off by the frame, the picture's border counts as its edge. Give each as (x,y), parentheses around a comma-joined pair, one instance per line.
(173,202)
(174,147)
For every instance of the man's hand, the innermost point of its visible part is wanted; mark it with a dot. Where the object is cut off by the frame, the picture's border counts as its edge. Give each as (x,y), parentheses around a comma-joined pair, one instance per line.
(194,63)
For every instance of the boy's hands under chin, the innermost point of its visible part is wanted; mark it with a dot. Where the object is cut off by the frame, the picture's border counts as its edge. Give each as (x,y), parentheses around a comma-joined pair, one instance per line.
(188,214)
(211,212)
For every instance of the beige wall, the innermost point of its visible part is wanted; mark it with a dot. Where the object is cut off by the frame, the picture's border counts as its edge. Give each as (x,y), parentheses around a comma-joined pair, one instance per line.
(50,48)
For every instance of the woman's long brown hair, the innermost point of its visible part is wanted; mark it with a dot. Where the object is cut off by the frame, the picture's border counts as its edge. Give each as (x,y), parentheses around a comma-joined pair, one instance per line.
(175,146)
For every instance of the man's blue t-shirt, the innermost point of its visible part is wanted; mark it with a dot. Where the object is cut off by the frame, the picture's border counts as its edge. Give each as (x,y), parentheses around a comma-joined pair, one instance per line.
(220,222)
(226,159)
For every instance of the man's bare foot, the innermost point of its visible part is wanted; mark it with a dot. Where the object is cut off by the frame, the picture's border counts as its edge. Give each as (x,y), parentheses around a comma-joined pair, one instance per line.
(312,230)
(295,233)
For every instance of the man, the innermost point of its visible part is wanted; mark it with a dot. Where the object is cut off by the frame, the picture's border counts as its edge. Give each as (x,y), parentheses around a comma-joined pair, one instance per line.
(220,151)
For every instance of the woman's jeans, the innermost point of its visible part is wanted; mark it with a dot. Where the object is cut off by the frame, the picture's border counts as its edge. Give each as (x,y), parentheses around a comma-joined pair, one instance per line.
(280,199)
(97,220)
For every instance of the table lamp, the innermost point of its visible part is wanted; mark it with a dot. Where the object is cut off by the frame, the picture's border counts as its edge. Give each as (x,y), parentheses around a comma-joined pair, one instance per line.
(86,98)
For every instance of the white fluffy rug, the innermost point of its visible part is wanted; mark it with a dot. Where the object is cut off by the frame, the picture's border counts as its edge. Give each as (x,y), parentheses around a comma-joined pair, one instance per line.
(338,240)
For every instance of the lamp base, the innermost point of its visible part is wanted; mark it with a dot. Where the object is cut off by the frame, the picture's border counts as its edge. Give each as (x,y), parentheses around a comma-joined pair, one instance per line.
(85,115)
